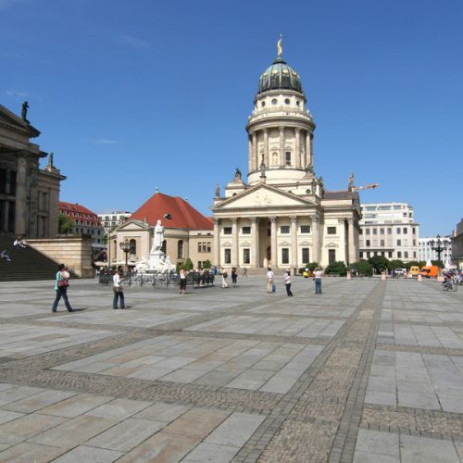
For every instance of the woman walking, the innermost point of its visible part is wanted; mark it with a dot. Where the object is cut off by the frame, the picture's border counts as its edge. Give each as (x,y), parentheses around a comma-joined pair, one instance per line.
(118,289)
(288,283)
(61,286)
(182,289)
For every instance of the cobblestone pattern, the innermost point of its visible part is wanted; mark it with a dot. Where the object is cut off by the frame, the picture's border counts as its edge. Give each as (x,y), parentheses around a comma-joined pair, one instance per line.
(428,423)
(324,401)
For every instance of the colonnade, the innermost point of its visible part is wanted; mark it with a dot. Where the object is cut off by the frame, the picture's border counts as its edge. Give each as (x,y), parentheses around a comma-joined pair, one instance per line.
(303,148)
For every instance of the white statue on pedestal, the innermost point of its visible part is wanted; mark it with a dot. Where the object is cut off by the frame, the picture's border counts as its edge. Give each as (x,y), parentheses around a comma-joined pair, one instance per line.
(158,237)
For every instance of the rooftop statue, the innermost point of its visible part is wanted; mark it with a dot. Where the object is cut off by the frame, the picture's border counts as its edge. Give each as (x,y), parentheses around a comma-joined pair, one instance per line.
(24,111)
(237,174)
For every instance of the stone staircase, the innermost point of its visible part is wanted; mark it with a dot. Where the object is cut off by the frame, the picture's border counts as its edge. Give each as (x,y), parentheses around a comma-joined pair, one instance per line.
(26,264)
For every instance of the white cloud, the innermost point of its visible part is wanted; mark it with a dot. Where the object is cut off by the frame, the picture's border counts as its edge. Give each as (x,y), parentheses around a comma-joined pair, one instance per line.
(130,41)
(15,94)
(106,141)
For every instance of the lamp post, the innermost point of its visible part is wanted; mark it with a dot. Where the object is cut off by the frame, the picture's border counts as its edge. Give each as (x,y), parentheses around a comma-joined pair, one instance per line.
(125,246)
(438,246)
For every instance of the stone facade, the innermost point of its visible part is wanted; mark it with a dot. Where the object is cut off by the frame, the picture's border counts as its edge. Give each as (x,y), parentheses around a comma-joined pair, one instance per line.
(283,216)
(28,195)
(457,245)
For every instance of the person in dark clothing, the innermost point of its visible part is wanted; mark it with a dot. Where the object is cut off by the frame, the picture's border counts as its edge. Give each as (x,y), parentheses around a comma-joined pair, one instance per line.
(61,287)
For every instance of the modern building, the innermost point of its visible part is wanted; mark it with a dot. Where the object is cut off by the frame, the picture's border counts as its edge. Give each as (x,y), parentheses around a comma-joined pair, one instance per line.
(29,195)
(187,233)
(389,230)
(282,215)
(86,222)
(111,220)
(457,245)
(427,249)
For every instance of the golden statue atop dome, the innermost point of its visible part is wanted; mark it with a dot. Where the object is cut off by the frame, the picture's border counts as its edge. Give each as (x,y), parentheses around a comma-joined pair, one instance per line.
(280,46)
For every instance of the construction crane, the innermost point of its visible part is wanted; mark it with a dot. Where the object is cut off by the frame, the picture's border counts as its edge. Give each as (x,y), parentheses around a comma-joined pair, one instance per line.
(370,186)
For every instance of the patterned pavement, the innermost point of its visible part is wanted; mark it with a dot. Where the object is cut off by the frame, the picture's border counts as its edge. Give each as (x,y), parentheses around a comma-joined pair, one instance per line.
(369,371)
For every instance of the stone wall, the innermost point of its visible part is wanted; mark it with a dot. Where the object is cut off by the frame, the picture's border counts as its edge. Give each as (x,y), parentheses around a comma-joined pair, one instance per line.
(73,251)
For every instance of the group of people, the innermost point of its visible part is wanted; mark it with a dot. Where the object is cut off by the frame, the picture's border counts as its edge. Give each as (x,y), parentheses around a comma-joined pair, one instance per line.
(271,287)
(234,277)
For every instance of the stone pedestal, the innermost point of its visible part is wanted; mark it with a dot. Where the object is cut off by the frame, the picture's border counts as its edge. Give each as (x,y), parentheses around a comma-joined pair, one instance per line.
(156,260)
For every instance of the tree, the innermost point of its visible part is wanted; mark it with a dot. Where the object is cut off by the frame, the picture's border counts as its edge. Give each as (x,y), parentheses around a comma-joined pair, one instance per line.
(207,264)
(336,268)
(188,264)
(312,266)
(380,263)
(65,224)
(362,267)
(396,263)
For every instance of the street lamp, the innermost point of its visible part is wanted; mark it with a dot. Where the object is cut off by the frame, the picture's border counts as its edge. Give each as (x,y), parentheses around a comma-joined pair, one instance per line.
(438,246)
(125,246)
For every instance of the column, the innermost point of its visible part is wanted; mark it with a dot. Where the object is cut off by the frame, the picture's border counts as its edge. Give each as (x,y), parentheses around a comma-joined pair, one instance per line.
(273,241)
(216,258)
(235,244)
(255,152)
(316,245)
(266,156)
(310,149)
(250,155)
(21,197)
(297,155)
(282,147)
(293,242)
(351,241)
(254,242)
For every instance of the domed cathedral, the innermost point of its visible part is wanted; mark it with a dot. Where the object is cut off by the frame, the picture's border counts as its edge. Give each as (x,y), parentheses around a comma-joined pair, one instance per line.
(283,216)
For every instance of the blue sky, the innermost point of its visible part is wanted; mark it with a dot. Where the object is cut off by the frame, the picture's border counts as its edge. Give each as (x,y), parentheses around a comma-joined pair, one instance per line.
(136,95)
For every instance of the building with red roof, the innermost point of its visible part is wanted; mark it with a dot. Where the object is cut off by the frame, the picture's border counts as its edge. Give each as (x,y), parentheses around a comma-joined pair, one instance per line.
(187,232)
(86,222)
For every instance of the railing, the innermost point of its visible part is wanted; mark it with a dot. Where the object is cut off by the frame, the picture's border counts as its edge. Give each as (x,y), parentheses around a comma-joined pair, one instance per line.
(159,280)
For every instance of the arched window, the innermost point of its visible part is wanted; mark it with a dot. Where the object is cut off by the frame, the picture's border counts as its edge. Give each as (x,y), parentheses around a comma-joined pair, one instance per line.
(133,247)
(180,249)
(164,246)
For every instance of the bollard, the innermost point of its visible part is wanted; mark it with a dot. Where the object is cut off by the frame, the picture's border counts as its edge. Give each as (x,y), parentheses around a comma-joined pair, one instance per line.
(419,278)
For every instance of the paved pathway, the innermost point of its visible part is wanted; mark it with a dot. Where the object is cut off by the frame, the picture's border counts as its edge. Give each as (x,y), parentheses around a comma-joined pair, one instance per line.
(369,371)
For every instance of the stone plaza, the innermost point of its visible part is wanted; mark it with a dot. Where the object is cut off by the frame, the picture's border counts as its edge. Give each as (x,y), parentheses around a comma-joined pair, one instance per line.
(369,371)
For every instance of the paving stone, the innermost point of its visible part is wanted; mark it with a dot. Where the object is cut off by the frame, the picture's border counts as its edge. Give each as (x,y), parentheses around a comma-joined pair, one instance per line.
(89,454)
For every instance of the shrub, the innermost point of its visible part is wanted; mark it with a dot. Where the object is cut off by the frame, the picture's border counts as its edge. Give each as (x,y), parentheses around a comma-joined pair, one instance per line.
(362,267)
(188,264)
(337,268)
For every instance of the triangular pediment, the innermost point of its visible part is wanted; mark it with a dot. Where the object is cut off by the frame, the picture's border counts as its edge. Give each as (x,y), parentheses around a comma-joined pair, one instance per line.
(262,197)
(13,122)
(133,225)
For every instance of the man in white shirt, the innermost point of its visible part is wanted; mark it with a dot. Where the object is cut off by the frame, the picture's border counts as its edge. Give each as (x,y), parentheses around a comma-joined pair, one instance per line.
(318,280)
(269,280)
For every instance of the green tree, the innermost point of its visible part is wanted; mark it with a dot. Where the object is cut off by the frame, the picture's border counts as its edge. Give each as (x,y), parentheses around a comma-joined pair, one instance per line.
(380,263)
(65,224)
(207,264)
(396,263)
(312,266)
(362,267)
(336,268)
(188,264)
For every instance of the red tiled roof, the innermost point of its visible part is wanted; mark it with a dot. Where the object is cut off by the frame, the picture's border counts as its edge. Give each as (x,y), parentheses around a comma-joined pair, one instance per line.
(182,214)
(73,209)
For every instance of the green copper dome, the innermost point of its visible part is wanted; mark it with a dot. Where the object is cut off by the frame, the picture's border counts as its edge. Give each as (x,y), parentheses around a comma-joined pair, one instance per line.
(280,76)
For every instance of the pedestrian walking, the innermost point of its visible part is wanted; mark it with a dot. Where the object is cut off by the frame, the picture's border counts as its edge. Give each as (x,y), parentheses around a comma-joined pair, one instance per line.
(317,274)
(270,282)
(224,279)
(288,283)
(234,276)
(182,289)
(61,288)
(118,289)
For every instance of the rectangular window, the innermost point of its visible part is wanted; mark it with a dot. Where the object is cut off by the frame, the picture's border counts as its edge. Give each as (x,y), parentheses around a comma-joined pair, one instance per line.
(208,246)
(331,256)
(389,231)
(246,256)
(381,231)
(399,243)
(285,255)
(227,256)
(413,231)
(399,255)
(305,256)
(227,230)
(406,254)
(284,229)
(389,254)
(405,231)
(288,158)
(361,255)
(361,231)
(246,230)
(331,230)
(305,228)
(375,231)
(382,243)
(368,243)
(398,231)
(2,180)
(200,247)
(367,231)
